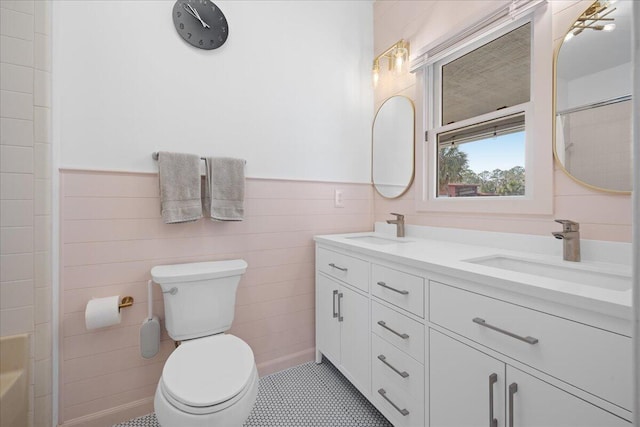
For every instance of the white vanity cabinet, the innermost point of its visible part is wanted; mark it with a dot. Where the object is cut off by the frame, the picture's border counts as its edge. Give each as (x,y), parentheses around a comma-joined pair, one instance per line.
(397,344)
(470,388)
(532,402)
(430,347)
(342,319)
(467,387)
(582,356)
(589,358)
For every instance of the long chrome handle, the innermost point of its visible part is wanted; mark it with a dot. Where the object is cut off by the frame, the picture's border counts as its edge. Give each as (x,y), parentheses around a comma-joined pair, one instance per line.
(384,285)
(383,393)
(384,325)
(482,322)
(332,265)
(335,313)
(493,422)
(383,359)
(340,318)
(513,389)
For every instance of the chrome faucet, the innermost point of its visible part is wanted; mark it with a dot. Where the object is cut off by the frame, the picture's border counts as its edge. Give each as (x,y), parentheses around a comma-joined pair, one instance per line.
(399,222)
(570,237)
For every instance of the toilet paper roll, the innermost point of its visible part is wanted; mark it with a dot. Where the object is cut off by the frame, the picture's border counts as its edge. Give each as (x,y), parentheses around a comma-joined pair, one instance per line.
(102,312)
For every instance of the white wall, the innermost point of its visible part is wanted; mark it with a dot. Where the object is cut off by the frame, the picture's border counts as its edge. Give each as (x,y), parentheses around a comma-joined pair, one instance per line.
(590,88)
(289,91)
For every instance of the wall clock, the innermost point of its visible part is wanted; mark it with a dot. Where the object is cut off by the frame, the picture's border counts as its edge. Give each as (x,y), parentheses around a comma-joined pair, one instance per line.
(200,23)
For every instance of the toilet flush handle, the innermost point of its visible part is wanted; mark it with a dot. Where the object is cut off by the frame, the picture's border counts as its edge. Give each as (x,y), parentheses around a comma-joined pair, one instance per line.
(171,291)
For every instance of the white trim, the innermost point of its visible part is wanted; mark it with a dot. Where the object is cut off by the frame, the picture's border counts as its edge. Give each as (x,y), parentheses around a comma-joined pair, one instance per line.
(117,414)
(63,169)
(492,115)
(635,28)
(454,41)
(55,222)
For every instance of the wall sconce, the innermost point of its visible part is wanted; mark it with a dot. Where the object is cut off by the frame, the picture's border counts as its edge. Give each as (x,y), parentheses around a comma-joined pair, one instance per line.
(397,55)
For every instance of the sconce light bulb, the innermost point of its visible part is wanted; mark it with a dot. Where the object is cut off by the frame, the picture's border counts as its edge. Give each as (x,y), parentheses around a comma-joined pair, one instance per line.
(399,59)
(609,27)
(399,62)
(375,76)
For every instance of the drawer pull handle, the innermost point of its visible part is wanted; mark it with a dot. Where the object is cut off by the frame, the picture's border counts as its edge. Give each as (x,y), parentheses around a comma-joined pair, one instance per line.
(513,389)
(482,322)
(384,325)
(384,285)
(493,422)
(383,393)
(332,265)
(383,359)
(335,313)
(340,318)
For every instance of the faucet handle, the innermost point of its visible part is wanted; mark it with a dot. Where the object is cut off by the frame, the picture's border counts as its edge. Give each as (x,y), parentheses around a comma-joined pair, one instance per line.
(400,216)
(568,225)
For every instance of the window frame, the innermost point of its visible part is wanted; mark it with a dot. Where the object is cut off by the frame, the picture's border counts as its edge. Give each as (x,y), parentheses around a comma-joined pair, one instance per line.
(524,109)
(538,197)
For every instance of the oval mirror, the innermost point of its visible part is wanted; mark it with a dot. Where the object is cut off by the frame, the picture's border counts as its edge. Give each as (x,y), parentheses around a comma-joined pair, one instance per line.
(392,147)
(593,98)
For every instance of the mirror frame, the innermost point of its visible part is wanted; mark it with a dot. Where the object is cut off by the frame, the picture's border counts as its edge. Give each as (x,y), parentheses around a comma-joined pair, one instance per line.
(413,147)
(555,109)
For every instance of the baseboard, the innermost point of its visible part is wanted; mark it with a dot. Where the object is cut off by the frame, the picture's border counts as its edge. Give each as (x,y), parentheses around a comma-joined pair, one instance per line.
(288,361)
(125,412)
(112,416)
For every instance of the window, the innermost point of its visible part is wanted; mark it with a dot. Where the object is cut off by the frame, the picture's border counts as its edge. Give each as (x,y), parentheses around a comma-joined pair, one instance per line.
(479,154)
(490,77)
(486,159)
(488,126)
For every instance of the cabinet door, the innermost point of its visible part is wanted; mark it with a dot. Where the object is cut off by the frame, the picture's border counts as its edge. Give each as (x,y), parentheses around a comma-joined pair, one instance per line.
(327,326)
(539,404)
(355,356)
(465,385)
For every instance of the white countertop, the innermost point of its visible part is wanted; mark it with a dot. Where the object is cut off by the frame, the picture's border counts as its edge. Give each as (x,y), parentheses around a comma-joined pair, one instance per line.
(448,257)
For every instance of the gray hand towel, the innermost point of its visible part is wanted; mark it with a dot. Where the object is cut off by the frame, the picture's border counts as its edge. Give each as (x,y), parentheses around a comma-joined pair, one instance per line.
(223,198)
(179,187)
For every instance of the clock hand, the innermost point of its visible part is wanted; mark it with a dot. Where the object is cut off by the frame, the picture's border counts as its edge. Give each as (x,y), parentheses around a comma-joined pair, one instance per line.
(194,12)
(204,24)
(189,10)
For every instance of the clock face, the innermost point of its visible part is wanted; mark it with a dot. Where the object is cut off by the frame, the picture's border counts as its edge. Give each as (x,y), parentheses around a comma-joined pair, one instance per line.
(200,23)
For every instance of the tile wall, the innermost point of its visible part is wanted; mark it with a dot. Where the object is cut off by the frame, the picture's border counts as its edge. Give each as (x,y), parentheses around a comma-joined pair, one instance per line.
(111,237)
(25,190)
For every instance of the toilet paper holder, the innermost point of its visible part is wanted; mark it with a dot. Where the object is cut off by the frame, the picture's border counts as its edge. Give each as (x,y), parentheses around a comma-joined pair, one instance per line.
(126,302)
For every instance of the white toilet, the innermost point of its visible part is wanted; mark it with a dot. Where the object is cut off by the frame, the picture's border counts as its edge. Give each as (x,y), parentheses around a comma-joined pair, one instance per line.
(211,378)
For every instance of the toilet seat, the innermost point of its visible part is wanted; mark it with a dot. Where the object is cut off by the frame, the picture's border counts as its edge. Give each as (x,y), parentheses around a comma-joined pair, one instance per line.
(209,374)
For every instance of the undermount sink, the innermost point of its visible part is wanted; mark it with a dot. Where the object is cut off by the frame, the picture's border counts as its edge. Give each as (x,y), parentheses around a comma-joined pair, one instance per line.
(580,274)
(377,240)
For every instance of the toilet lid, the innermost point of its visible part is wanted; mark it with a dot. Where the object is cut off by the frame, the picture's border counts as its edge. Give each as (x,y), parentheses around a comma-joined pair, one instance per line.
(207,371)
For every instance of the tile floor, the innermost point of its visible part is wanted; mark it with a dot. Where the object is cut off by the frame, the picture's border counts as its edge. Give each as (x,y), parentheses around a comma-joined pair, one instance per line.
(308,395)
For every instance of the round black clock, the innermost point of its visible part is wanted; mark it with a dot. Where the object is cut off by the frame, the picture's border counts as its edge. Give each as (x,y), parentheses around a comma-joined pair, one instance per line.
(200,23)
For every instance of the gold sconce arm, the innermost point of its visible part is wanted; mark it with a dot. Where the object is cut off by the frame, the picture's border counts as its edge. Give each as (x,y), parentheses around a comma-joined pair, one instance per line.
(397,54)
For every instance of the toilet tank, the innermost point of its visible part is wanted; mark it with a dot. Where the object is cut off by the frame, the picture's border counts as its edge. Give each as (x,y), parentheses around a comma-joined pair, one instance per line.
(199,298)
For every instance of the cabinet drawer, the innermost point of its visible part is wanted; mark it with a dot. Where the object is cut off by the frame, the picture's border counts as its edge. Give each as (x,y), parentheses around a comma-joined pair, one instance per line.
(405,389)
(398,329)
(350,270)
(401,289)
(589,358)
